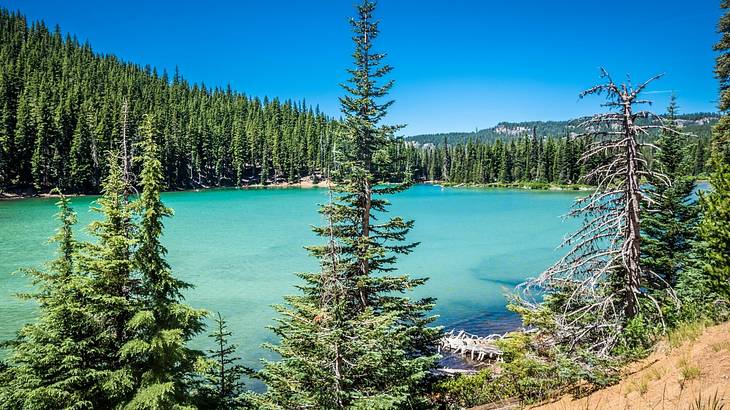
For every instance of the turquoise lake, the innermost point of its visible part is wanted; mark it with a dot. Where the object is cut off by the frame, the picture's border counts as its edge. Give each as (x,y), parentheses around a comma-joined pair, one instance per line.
(242,248)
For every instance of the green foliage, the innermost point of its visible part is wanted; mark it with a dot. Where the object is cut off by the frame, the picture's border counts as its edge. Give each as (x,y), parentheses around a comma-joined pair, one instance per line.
(715,230)
(527,374)
(527,156)
(715,225)
(669,225)
(163,325)
(112,330)
(61,107)
(56,362)
(638,338)
(467,390)
(108,262)
(221,386)
(350,339)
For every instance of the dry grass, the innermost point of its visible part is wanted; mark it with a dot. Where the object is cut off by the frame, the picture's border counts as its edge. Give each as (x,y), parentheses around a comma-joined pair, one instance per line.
(641,384)
(724,345)
(690,371)
(713,402)
(686,332)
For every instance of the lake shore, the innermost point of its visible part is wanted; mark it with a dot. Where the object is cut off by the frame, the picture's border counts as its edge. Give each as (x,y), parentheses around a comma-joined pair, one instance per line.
(303,183)
(538,186)
(309,183)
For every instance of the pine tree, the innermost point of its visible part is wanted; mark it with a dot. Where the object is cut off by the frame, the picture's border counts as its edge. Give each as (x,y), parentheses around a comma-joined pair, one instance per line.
(591,295)
(55,361)
(446,167)
(669,223)
(24,138)
(50,83)
(350,340)
(163,325)
(506,164)
(82,167)
(222,387)
(715,225)
(44,138)
(108,261)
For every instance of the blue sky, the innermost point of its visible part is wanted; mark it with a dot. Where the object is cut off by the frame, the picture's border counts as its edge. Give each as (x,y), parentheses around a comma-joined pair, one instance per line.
(459,65)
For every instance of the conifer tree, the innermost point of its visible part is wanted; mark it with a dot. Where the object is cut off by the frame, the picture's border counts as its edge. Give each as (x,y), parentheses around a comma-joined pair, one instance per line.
(40,162)
(600,287)
(670,222)
(446,167)
(506,164)
(351,340)
(109,264)
(54,362)
(222,387)
(163,325)
(82,167)
(715,225)
(50,83)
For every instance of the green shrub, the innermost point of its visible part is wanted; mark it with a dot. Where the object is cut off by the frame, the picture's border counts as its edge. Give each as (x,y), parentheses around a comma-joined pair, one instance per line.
(466,390)
(637,339)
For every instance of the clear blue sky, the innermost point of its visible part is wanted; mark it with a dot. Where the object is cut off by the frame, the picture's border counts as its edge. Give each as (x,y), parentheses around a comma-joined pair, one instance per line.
(458,64)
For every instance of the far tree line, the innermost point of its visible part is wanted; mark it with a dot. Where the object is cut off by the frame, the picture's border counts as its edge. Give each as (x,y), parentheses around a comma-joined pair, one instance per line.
(531,158)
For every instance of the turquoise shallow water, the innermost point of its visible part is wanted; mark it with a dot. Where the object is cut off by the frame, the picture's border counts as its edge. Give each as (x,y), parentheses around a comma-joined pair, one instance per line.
(241,248)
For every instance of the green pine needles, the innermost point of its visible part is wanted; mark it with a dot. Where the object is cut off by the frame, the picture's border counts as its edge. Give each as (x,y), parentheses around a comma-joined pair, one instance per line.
(112,330)
(351,339)
(163,324)
(670,222)
(54,361)
(221,386)
(715,226)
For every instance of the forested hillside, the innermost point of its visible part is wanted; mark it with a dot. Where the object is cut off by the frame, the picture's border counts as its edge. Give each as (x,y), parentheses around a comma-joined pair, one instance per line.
(62,106)
(536,158)
(699,124)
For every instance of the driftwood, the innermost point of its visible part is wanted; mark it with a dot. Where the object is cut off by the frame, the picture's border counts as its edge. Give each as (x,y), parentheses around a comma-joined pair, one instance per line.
(475,347)
(446,371)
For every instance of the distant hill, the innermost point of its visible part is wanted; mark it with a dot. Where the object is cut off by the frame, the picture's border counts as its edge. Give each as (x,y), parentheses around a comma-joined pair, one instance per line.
(696,123)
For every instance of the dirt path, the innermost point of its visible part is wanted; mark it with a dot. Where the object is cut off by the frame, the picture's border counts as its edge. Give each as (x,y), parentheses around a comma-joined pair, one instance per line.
(668,379)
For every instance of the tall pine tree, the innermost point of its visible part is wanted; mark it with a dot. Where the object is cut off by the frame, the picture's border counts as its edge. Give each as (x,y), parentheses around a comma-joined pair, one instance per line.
(55,361)
(351,340)
(109,263)
(222,387)
(715,226)
(670,222)
(158,352)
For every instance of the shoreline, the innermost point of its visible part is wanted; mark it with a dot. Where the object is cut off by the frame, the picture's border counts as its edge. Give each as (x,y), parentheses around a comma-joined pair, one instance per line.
(528,186)
(307,183)
(304,184)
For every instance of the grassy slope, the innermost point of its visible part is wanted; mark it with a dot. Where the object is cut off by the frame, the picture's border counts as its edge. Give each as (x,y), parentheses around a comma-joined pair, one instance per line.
(693,363)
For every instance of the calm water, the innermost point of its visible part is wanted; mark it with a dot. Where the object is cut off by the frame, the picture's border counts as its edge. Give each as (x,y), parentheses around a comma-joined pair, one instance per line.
(241,248)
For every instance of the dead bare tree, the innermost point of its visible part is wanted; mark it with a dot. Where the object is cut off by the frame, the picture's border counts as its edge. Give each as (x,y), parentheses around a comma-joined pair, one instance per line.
(598,285)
